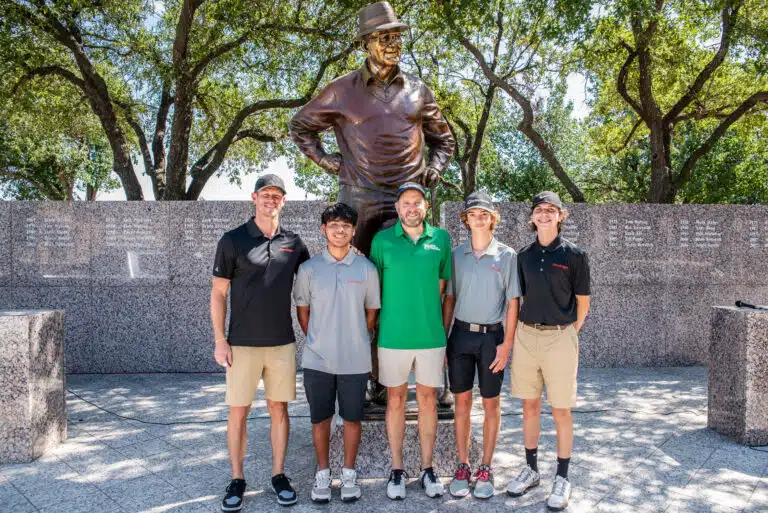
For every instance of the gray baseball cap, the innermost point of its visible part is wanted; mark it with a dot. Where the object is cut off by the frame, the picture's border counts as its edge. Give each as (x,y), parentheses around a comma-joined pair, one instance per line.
(479,199)
(410,186)
(269,180)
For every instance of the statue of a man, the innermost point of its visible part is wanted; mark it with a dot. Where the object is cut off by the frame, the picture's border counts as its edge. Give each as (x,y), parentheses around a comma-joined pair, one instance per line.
(382,118)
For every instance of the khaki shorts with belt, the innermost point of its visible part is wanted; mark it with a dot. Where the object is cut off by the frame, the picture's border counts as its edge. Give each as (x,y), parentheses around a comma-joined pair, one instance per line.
(546,357)
(276,365)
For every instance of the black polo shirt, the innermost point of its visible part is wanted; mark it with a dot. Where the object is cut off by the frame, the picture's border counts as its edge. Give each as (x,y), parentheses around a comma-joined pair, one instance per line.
(550,279)
(261,271)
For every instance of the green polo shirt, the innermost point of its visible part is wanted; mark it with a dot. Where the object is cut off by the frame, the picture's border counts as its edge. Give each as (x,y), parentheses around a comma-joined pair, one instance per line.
(410,274)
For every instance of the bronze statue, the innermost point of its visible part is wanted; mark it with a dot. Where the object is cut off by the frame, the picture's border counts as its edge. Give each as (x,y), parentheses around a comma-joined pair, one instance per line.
(382,118)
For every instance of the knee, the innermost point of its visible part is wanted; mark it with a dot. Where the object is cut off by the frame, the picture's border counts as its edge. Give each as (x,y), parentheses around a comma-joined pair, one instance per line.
(238,413)
(531,406)
(396,399)
(277,410)
(426,397)
(561,414)
(463,402)
(492,406)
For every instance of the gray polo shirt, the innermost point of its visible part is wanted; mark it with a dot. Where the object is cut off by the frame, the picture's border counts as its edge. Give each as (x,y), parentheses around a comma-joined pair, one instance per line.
(483,286)
(337,293)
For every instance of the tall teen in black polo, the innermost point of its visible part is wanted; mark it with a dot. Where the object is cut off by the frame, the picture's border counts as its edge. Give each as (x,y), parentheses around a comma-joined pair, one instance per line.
(554,281)
(258,261)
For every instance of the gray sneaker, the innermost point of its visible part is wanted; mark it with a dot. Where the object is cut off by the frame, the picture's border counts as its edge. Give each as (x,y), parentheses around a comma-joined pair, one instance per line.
(483,483)
(459,486)
(350,490)
(321,492)
(527,479)
(561,492)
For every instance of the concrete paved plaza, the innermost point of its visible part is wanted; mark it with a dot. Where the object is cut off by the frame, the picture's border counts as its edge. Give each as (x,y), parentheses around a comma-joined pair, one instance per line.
(641,446)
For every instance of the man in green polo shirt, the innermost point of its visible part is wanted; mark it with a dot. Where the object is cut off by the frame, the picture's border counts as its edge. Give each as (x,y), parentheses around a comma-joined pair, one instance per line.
(414,261)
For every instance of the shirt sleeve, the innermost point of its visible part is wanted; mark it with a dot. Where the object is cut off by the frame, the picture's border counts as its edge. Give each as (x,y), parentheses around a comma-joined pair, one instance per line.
(225,259)
(376,256)
(303,254)
(445,259)
(317,115)
(520,275)
(450,287)
(437,133)
(580,279)
(512,281)
(372,289)
(301,288)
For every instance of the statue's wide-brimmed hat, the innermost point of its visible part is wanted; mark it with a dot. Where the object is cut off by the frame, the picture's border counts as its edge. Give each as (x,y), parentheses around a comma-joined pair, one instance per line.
(375,17)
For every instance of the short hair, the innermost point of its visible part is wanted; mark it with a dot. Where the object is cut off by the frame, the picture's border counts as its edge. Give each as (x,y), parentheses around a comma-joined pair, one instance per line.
(563,217)
(496,219)
(339,212)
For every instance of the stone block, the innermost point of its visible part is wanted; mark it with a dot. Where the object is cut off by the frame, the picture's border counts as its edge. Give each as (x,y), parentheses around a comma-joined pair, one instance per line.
(130,243)
(738,374)
(374,460)
(303,217)
(76,302)
(196,227)
(131,330)
(191,335)
(32,407)
(5,243)
(51,243)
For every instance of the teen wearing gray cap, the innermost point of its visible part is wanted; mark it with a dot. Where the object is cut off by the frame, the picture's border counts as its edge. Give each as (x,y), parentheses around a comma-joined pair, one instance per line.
(482,292)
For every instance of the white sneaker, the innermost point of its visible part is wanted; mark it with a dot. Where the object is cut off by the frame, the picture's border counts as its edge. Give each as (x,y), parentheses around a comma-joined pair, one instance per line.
(431,484)
(396,484)
(527,479)
(321,492)
(350,491)
(561,492)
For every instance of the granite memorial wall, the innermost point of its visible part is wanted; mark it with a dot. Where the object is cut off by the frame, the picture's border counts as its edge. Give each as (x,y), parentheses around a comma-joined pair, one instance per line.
(134,278)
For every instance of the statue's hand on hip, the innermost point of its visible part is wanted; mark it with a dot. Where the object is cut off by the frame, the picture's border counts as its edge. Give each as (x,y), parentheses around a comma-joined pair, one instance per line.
(331,163)
(431,177)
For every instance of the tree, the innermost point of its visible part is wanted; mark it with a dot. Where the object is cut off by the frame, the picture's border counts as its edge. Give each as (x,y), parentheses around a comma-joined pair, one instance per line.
(197,76)
(656,56)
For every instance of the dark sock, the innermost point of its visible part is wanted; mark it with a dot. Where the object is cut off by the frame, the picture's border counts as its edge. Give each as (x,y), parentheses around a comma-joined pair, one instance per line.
(562,467)
(530,458)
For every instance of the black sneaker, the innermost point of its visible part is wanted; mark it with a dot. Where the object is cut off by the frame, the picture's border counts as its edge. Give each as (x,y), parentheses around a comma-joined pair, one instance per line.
(286,495)
(233,501)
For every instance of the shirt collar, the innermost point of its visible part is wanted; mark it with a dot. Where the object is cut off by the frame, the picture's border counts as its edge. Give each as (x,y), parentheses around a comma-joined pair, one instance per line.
(492,249)
(429,231)
(552,245)
(255,232)
(368,76)
(347,260)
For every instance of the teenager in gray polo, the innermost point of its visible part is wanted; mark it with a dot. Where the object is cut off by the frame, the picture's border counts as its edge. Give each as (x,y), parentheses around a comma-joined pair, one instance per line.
(337,298)
(484,291)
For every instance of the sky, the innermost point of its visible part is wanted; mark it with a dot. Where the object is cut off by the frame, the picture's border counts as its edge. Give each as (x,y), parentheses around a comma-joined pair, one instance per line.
(220,189)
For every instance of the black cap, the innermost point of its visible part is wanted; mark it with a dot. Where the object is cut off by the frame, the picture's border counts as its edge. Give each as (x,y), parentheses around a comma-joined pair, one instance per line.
(269,180)
(479,199)
(410,186)
(547,197)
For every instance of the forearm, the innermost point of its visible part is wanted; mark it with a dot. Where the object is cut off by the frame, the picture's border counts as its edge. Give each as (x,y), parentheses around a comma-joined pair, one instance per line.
(582,309)
(370,318)
(513,307)
(302,315)
(449,305)
(218,314)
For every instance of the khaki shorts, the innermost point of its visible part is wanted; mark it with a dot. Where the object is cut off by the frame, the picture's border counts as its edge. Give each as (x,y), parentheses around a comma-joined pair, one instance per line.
(545,357)
(395,366)
(276,365)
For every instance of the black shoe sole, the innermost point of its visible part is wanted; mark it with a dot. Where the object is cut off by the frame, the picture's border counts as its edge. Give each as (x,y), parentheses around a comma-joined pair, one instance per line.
(318,501)
(557,509)
(524,491)
(230,510)
(286,504)
(348,500)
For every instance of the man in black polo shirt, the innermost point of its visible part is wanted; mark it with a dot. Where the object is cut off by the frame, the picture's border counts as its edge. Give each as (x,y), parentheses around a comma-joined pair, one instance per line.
(554,281)
(258,261)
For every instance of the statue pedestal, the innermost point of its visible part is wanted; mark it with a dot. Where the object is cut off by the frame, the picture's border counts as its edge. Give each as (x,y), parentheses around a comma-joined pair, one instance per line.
(33,414)
(738,374)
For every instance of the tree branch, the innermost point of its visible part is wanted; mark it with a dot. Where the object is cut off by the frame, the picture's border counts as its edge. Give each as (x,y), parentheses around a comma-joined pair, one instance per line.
(725,40)
(621,81)
(629,136)
(44,71)
(687,170)
(218,52)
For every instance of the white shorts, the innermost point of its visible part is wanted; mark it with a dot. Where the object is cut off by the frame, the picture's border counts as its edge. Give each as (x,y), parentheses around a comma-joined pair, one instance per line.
(395,365)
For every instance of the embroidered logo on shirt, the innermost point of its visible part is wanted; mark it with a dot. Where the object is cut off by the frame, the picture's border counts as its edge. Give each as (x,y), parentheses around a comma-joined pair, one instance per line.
(355,281)
(560,266)
(431,247)
(289,250)
(494,268)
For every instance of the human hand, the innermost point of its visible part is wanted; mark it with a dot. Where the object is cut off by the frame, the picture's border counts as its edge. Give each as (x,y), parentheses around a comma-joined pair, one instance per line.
(222,353)
(331,163)
(502,357)
(431,177)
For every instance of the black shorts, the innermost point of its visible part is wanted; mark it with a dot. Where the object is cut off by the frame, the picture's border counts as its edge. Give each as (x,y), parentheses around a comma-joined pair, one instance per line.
(468,351)
(323,389)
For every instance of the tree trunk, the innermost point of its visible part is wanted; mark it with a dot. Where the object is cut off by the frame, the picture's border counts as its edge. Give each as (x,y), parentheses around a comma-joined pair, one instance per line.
(661,190)
(178,153)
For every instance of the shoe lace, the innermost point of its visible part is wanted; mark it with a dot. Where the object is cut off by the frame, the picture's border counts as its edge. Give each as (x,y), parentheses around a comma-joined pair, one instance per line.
(526,475)
(396,475)
(322,480)
(558,487)
(483,473)
(462,473)
(348,478)
(281,481)
(430,475)
(232,486)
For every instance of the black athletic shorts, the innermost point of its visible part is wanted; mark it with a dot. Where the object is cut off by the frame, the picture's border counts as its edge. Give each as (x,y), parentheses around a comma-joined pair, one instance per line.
(467,351)
(323,389)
